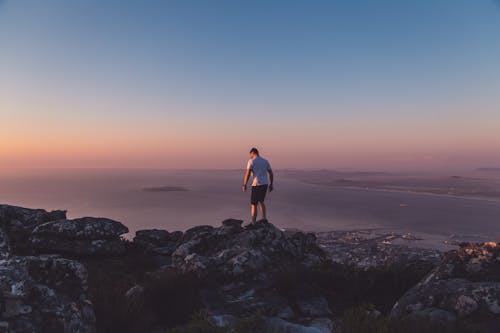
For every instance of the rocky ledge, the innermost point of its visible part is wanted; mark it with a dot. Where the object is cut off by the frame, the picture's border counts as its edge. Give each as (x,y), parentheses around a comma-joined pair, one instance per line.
(79,276)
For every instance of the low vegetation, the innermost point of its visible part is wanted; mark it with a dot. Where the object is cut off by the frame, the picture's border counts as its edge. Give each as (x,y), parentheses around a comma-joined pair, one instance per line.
(347,286)
(361,319)
(170,301)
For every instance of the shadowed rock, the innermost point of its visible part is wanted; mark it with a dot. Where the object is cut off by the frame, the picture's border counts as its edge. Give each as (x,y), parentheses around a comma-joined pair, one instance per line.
(16,224)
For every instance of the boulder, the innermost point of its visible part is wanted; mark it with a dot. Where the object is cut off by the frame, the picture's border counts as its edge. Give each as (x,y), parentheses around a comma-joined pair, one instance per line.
(4,245)
(238,251)
(158,242)
(152,237)
(83,236)
(197,231)
(278,325)
(314,307)
(232,223)
(243,264)
(466,284)
(16,224)
(44,294)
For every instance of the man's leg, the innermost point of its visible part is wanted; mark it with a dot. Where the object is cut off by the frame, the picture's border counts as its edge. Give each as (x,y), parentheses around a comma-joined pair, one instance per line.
(262,207)
(254,213)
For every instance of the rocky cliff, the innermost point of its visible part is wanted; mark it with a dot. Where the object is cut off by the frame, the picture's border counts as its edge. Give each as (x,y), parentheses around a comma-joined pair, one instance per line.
(80,275)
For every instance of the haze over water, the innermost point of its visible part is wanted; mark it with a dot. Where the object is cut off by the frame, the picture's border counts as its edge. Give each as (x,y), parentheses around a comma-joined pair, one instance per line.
(177,200)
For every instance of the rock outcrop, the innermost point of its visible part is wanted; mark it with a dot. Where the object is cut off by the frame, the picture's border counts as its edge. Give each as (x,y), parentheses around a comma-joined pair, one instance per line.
(234,251)
(83,236)
(160,242)
(44,294)
(244,261)
(465,285)
(17,223)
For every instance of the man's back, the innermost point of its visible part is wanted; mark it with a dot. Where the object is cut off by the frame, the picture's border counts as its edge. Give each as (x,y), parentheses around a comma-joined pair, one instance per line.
(260,167)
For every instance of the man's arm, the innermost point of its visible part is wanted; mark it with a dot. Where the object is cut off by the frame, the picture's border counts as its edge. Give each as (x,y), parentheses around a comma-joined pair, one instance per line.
(245,180)
(271,179)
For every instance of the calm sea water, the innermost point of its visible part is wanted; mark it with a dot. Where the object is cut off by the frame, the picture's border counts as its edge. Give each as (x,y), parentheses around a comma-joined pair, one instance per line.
(212,196)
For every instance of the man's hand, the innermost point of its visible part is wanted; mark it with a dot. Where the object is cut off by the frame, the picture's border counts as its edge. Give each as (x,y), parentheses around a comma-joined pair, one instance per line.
(271,188)
(243,188)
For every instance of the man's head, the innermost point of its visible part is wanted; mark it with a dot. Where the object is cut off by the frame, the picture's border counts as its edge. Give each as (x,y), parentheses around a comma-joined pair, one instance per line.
(254,152)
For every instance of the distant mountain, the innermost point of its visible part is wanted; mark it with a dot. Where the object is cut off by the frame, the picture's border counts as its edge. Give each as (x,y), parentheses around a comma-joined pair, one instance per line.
(488,169)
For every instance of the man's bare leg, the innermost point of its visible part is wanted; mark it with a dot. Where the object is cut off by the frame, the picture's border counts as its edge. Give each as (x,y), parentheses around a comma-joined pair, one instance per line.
(254,213)
(262,208)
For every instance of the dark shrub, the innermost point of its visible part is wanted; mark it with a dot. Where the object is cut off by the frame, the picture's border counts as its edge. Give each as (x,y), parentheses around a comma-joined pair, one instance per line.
(359,319)
(346,286)
(172,297)
(168,298)
(199,323)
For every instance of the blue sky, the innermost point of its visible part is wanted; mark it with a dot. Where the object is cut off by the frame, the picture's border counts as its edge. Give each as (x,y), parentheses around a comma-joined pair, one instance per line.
(394,81)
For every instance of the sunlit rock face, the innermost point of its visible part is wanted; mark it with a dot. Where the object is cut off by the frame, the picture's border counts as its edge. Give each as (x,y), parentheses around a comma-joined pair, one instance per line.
(466,284)
(44,294)
(83,236)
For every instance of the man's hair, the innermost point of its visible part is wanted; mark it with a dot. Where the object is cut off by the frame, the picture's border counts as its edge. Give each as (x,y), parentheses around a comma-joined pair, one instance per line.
(254,151)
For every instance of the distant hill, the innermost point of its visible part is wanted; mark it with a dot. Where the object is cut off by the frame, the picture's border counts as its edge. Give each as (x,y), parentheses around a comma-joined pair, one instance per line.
(488,169)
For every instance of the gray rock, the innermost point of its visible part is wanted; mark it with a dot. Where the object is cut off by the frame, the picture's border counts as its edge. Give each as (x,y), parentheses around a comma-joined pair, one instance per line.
(83,236)
(224,320)
(152,238)
(175,236)
(4,245)
(158,242)
(466,284)
(86,228)
(245,261)
(98,247)
(206,250)
(44,294)
(323,324)
(232,223)
(197,231)
(314,307)
(244,298)
(278,325)
(16,224)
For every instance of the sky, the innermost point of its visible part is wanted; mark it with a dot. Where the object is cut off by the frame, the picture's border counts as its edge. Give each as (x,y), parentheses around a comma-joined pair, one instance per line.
(195,84)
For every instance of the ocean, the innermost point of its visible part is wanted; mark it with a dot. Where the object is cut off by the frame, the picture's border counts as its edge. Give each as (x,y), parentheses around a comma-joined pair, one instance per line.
(178,200)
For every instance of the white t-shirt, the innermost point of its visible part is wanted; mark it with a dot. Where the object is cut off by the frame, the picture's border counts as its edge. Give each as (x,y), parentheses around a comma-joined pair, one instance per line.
(259,166)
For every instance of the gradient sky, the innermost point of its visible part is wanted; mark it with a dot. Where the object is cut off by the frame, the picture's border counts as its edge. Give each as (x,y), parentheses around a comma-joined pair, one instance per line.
(174,84)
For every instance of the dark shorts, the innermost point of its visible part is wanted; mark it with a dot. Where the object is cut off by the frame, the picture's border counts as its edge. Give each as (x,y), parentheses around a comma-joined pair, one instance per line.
(258,194)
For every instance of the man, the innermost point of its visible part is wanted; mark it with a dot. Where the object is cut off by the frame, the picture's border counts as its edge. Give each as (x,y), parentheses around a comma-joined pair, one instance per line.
(259,167)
